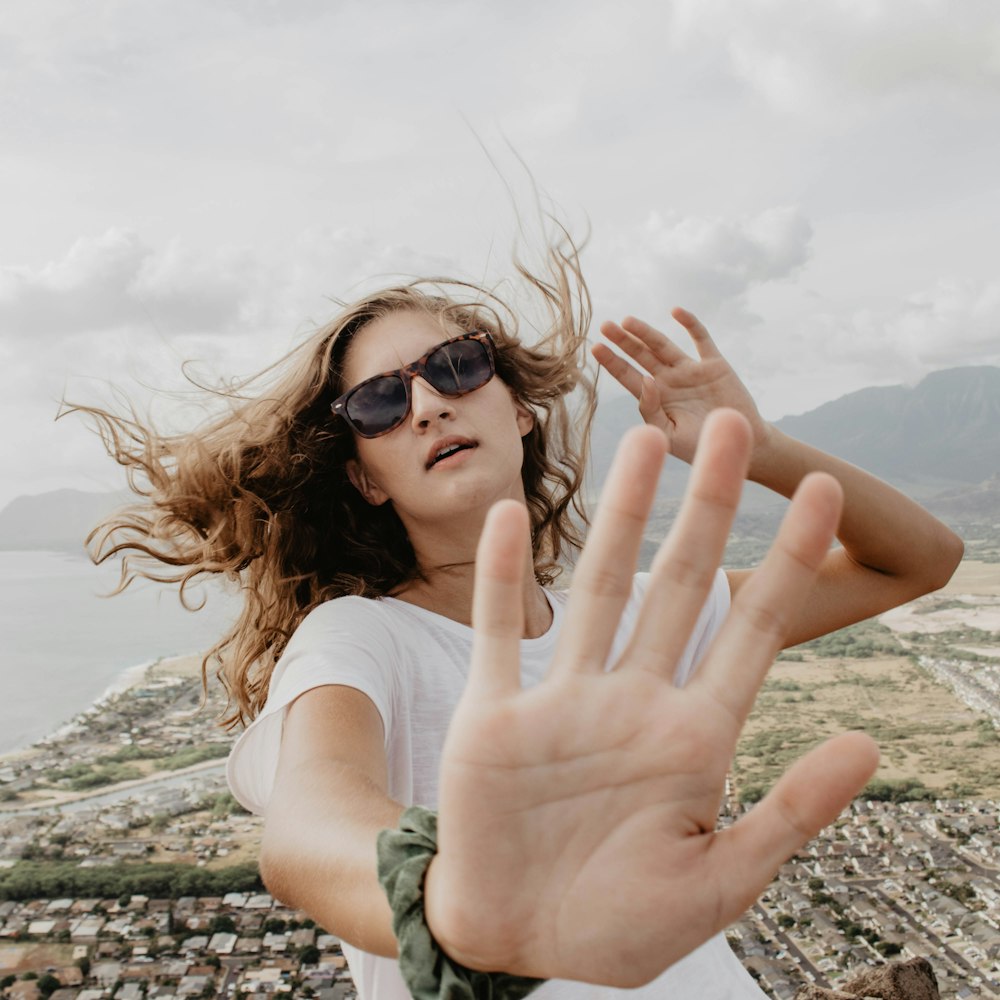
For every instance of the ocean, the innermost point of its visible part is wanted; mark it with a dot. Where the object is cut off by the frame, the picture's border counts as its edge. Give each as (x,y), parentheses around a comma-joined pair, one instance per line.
(63,645)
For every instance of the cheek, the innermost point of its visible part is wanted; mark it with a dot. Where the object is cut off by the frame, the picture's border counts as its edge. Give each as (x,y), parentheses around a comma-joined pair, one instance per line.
(377,459)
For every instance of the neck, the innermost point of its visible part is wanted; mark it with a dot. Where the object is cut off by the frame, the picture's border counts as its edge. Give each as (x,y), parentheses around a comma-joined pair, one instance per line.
(447,590)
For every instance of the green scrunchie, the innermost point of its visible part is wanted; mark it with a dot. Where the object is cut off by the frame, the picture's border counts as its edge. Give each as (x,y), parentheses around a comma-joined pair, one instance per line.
(404,855)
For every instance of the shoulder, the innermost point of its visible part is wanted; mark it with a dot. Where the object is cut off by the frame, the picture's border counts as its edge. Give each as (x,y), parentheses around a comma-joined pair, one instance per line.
(344,619)
(341,639)
(349,641)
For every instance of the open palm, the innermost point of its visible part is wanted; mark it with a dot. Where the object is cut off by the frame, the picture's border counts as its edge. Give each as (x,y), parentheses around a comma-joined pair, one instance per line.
(577,818)
(675,391)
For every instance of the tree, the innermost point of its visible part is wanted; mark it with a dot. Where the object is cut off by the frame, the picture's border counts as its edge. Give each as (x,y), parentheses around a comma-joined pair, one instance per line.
(223,923)
(48,984)
(309,955)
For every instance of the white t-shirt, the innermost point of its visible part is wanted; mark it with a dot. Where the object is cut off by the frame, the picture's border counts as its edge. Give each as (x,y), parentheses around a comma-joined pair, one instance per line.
(413,665)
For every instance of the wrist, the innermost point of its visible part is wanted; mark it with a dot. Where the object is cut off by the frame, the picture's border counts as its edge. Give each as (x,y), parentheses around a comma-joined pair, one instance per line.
(771,459)
(435,959)
(459,931)
(442,916)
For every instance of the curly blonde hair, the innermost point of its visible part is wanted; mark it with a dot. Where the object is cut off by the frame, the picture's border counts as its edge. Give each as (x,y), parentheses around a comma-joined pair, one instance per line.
(261,494)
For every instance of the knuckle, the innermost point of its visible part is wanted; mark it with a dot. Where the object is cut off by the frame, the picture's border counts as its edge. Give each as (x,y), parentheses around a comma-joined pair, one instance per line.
(683,572)
(605,581)
(718,499)
(801,556)
(497,628)
(624,516)
(764,619)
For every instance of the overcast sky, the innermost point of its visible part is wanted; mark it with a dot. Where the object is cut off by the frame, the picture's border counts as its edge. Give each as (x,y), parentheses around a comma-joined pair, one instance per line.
(196,181)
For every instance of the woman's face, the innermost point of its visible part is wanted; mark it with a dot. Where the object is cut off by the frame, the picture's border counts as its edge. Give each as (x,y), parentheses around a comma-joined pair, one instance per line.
(403,466)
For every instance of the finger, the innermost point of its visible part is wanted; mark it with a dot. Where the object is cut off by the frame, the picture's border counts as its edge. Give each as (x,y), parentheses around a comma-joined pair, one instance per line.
(618,368)
(769,602)
(653,351)
(498,601)
(651,405)
(807,798)
(655,340)
(684,568)
(602,580)
(703,342)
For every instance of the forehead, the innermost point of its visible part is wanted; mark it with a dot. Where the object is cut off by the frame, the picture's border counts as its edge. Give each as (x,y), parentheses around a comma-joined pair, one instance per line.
(392,342)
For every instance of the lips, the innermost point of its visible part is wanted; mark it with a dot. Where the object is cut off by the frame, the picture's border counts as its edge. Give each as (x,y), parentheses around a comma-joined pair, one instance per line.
(446,446)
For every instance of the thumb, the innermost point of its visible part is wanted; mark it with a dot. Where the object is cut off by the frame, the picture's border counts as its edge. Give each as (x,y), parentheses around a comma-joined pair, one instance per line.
(810,795)
(651,405)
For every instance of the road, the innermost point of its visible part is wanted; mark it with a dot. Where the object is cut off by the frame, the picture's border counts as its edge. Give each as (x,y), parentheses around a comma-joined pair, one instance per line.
(126,789)
(801,959)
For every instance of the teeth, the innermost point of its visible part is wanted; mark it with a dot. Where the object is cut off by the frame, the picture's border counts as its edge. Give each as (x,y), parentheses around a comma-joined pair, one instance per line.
(450,450)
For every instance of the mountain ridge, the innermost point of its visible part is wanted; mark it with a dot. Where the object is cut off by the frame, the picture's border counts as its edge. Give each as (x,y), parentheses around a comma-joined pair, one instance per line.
(941,434)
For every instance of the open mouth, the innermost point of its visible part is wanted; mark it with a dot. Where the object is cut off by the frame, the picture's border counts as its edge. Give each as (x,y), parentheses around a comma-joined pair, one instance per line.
(448,450)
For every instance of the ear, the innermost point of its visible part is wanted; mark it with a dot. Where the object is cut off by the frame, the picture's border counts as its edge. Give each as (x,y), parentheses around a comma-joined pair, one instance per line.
(525,418)
(364,484)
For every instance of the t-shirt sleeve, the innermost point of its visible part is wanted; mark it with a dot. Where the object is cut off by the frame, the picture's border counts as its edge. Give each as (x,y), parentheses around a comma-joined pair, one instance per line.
(345,642)
(710,618)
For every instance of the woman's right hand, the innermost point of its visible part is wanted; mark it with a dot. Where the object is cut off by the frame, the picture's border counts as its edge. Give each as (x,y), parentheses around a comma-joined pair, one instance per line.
(577,819)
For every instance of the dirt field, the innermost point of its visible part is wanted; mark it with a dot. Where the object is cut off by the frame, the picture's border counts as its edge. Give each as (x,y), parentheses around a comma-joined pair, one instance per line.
(177,666)
(922,729)
(975,578)
(18,958)
(972,598)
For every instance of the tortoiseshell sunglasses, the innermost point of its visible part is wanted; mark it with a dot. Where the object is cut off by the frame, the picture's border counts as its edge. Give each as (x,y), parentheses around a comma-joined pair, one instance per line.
(453,368)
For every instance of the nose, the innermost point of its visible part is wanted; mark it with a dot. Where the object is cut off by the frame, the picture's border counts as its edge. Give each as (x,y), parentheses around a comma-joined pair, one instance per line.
(427,405)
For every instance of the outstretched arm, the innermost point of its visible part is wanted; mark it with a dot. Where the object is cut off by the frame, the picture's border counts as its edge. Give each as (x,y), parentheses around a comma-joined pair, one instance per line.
(577,818)
(893,550)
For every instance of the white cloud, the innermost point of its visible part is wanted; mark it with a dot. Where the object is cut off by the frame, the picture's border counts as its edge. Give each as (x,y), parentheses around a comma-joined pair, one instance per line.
(707,264)
(115,280)
(957,322)
(800,55)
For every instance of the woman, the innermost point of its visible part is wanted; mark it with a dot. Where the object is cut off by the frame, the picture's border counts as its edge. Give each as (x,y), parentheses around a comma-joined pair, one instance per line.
(575,816)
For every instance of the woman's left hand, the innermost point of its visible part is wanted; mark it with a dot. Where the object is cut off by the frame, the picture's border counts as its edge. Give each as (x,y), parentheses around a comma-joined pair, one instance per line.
(676,392)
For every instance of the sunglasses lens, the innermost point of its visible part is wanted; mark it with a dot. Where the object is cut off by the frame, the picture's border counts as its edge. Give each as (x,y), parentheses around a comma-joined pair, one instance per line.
(377,406)
(459,367)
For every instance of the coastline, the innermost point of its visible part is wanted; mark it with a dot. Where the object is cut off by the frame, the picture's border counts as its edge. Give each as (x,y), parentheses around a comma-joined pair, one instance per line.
(155,708)
(131,677)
